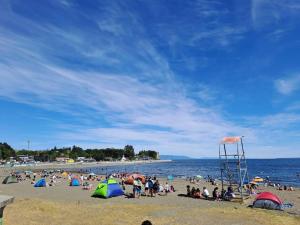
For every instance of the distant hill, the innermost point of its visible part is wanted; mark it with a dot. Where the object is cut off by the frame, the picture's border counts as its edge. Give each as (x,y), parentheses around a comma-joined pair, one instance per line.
(173,157)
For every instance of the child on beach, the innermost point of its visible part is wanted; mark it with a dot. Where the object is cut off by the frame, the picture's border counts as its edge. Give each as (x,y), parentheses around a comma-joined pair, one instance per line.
(205,193)
(188,191)
(193,191)
(197,193)
(167,188)
(216,194)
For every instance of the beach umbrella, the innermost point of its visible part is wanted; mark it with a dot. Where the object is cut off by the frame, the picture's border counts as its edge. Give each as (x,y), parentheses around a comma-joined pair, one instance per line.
(91,174)
(170,178)
(131,177)
(199,176)
(65,174)
(258,179)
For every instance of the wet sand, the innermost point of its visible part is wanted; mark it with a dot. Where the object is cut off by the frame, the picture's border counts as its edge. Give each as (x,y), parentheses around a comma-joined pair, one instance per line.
(62,204)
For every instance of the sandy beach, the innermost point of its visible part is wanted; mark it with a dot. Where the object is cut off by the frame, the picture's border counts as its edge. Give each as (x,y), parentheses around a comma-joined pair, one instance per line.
(62,204)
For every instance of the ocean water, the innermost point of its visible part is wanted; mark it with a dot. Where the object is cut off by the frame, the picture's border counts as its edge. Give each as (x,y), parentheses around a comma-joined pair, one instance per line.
(283,171)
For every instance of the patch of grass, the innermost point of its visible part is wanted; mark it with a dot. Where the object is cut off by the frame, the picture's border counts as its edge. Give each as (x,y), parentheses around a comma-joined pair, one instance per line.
(40,212)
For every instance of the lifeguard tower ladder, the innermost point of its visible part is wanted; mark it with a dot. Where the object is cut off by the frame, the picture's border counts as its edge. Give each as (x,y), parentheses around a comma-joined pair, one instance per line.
(233,165)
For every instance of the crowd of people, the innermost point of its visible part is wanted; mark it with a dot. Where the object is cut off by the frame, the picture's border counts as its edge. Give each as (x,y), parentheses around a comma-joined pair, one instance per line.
(147,186)
(144,185)
(216,194)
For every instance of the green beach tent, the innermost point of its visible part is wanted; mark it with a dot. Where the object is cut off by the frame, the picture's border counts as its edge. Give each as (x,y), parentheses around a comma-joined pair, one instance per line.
(107,189)
(9,180)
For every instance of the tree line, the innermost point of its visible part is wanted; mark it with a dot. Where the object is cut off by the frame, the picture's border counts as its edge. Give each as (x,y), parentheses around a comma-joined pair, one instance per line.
(107,154)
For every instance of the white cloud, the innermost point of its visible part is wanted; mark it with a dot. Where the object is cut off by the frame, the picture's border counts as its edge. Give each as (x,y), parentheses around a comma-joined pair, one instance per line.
(288,85)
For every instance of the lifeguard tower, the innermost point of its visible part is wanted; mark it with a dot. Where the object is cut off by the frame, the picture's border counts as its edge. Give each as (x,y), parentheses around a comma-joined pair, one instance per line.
(233,165)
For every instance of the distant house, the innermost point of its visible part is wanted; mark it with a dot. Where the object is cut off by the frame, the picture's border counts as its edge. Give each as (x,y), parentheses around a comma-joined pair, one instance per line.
(61,159)
(81,159)
(89,160)
(25,158)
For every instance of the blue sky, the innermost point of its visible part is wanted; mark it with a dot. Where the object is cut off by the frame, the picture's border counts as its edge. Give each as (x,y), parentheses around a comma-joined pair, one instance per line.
(174,76)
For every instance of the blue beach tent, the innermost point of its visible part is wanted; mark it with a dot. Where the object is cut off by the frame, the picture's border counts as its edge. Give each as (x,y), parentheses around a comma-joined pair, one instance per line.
(75,182)
(40,183)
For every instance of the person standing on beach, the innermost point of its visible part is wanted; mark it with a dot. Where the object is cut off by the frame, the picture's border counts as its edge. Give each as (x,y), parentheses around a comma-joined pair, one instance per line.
(150,185)
(134,190)
(138,187)
(81,179)
(147,187)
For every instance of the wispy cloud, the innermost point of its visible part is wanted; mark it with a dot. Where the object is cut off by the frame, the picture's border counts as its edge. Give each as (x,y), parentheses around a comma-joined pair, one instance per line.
(222,36)
(288,85)
(128,84)
(267,12)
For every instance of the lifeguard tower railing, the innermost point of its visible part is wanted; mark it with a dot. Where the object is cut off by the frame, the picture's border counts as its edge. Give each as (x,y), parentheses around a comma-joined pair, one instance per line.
(233,165)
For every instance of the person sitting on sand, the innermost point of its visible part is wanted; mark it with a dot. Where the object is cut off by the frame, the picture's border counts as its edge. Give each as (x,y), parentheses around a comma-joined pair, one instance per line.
(172,189)
(167,188)
(188,191)
(193,191)
(205,193)
(291,189)
(229,194)
(223,192)
(197,193)
(213,182)
(161,188)
(216,194)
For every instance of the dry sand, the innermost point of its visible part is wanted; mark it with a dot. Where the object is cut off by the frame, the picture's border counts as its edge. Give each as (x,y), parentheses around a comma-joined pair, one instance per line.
(62,204)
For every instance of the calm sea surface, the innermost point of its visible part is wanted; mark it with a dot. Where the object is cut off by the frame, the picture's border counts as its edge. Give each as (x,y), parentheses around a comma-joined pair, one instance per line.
(283,171)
